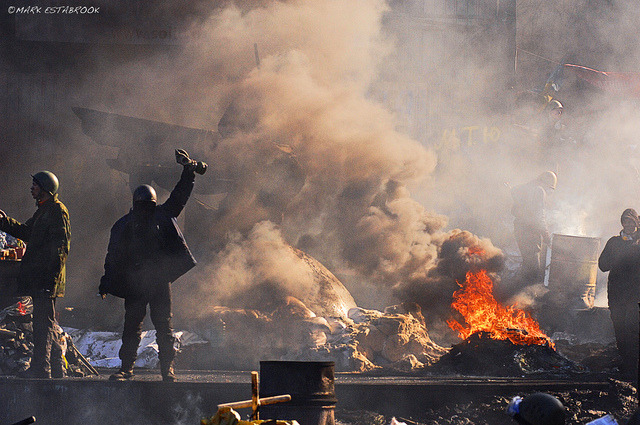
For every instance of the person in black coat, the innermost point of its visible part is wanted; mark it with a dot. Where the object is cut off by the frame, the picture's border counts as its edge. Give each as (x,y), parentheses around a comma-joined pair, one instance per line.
(147,252)
(621,258)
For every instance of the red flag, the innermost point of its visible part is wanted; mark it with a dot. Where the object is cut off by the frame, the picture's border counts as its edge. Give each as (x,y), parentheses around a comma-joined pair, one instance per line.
(624,83)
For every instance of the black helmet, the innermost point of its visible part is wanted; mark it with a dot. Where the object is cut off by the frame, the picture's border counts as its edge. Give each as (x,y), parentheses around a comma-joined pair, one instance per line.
(47,181)
(144,193)
(542,409)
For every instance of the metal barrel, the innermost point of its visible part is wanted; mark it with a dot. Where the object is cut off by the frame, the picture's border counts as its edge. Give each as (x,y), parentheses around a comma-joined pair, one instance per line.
(311,386)
(573,270)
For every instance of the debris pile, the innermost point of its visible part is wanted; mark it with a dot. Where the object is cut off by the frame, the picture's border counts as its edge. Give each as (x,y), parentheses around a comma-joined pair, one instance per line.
(365,340)
(16,336)
(480,355)
(395,339)
(596,356)
(16,342)
(581,407)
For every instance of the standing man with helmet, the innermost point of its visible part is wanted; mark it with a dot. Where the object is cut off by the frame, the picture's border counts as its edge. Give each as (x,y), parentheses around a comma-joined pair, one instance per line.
(42,270)
(147,252)
(530,224)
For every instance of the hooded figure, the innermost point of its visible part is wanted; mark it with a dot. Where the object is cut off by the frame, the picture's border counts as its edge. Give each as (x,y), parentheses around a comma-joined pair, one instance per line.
(621,258)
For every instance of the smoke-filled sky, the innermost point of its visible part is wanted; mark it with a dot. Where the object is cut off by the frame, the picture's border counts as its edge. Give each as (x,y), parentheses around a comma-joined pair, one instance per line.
(340,142)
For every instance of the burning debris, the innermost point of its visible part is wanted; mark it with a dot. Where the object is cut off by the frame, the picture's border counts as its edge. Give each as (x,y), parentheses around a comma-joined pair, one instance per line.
(482,313)
(497,340)
(482,355)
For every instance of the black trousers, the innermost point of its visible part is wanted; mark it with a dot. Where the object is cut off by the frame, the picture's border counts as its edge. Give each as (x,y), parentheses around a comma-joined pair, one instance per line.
(625,325)
(46,345)
(158,297)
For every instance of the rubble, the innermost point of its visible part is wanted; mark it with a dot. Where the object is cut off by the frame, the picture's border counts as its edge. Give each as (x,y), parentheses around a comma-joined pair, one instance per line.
(596,356)
(582,406)
(365,340)
(16,338)
(480,355)
(16,341)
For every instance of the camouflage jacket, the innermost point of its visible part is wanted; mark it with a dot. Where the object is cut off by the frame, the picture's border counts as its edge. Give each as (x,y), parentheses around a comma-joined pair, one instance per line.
(47,234)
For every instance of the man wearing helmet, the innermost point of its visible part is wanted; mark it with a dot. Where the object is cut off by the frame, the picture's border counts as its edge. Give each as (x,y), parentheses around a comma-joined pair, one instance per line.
(42,270)
(530,225)
(146,253)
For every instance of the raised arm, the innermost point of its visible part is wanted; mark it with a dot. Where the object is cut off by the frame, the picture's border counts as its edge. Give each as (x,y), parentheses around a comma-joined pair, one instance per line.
(180,194)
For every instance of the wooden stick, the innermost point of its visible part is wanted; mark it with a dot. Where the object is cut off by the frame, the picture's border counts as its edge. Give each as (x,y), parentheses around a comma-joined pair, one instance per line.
(261,402)
(255,396)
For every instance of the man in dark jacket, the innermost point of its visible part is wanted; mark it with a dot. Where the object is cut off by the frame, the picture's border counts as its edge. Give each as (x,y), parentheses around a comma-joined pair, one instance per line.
(621,258)
(146,253)
(42,270)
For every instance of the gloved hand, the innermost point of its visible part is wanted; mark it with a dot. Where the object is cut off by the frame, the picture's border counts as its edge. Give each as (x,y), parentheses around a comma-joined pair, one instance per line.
(102,289)
(182,158)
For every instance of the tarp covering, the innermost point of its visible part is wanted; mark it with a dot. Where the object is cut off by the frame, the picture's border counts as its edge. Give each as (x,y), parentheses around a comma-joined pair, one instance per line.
(101,348)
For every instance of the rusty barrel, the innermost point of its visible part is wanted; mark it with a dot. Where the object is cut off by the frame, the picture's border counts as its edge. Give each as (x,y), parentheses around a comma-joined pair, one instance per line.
(311,386)
(573,270)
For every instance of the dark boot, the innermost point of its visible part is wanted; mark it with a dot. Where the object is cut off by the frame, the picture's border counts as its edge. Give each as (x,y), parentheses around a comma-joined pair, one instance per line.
(124,374)
(168,373)
(57,371)
(34,373)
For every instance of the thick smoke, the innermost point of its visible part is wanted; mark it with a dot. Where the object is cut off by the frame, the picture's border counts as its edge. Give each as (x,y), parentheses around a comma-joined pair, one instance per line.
(354,211)
(257,271)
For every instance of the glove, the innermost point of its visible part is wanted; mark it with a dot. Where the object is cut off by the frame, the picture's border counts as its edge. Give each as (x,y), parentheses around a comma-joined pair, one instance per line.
(182,158)
(102,289)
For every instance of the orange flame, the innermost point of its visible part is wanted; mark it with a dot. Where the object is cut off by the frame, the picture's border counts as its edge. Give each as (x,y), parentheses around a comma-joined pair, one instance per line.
(482,313)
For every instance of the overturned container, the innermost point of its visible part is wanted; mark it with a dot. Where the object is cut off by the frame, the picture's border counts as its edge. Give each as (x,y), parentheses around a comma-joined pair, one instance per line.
(311,386)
